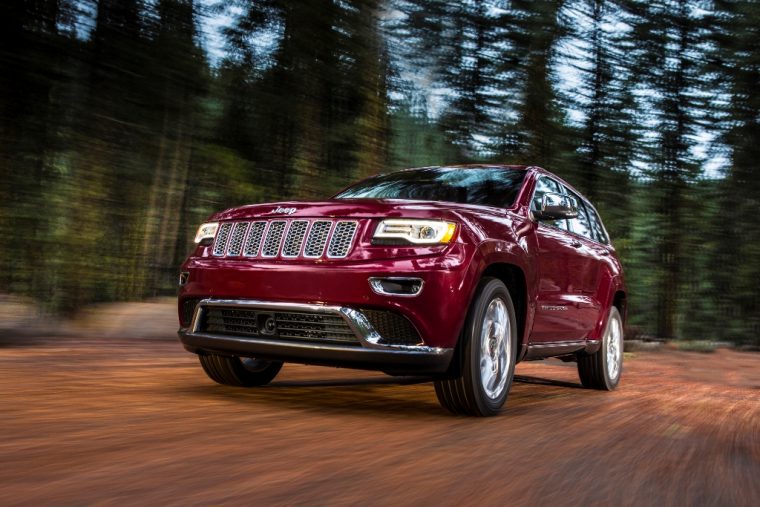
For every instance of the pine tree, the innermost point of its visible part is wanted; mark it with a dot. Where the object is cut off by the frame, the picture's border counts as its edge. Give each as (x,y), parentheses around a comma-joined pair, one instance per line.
(318,104)
(536,135)
(735,234)
(34,42)
(607,133)
(178,68)
(668,57)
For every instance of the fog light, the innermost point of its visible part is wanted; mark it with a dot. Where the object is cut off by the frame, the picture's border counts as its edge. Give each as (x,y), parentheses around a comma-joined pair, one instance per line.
(396,286)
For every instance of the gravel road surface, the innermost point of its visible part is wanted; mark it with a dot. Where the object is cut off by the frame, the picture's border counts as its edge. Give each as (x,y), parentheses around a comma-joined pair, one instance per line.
(112,422)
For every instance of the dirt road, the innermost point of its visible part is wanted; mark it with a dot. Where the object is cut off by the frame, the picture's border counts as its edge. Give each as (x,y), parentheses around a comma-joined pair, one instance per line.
(121,423)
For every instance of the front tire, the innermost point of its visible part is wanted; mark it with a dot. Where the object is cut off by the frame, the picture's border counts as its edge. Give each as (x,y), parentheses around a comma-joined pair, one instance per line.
(602,369)
(488,347)
(239,371)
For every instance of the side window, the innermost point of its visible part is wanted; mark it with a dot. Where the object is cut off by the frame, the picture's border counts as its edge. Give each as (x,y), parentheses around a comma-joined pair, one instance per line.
(544,186)
(581,225)
(596,225)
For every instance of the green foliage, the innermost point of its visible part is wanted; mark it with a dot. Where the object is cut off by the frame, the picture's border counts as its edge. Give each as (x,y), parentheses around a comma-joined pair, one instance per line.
(117,140)
(418,142)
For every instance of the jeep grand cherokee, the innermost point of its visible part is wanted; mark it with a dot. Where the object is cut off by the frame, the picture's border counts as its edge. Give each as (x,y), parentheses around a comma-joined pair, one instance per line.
(455,272)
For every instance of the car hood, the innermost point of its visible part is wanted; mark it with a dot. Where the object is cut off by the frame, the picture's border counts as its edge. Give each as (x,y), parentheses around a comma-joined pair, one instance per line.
(350,208)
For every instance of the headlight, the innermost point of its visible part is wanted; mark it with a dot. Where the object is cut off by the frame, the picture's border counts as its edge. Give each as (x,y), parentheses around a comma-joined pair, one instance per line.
(206,231)
(411,231)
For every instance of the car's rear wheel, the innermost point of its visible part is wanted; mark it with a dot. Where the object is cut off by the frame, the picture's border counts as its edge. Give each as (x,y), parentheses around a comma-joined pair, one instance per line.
(488,347)
(602,369)
(239,371)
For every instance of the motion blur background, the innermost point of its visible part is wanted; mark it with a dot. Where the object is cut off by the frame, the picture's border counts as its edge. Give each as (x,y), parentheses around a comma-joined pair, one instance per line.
(125,123)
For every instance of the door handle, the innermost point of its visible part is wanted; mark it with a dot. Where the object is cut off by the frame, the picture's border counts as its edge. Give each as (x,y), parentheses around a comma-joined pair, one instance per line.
(576,244)
(603,251)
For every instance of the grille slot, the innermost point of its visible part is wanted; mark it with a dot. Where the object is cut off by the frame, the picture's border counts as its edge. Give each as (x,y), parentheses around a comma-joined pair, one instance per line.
(290,326)
(273,238)
(311,239)
(221,238)
(315,244)
(294,239)
(341,240)
(236,238)
(253,243)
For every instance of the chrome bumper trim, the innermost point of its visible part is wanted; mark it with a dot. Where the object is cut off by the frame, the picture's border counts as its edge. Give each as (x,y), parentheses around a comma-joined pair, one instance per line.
(375,282)
(364,331)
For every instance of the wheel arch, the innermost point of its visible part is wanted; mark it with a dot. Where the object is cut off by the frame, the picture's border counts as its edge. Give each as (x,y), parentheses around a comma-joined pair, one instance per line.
(508,262)
(613,295)
(513,277)
(620,301)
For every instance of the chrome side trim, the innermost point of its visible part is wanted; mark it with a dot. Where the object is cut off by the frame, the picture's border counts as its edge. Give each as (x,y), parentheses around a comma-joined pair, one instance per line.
(375,282)
(365,332)
(552,349)
(548,345)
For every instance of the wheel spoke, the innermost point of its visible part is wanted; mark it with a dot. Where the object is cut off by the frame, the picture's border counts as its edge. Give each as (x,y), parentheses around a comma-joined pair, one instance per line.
(495,348)
(491,385)
(614,349)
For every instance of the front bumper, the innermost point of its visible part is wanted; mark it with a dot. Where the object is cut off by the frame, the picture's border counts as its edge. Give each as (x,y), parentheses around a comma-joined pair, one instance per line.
(368,352)
(437,312)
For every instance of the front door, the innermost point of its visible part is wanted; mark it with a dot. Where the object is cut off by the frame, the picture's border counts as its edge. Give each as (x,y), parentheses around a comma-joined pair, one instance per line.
(561,313)
(561,305)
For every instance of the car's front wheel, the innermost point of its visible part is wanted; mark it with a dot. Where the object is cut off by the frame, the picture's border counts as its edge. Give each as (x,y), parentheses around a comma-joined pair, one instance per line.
(489,343)
(602,369)
(239,371)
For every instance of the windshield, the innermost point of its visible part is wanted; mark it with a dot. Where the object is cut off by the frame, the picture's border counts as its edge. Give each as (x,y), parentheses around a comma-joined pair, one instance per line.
(488,186)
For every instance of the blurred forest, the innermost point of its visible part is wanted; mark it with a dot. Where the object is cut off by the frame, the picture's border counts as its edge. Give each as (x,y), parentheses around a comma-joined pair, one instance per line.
(125,123)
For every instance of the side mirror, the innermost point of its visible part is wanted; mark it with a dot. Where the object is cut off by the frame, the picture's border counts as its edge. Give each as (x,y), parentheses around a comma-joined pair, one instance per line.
(557,207)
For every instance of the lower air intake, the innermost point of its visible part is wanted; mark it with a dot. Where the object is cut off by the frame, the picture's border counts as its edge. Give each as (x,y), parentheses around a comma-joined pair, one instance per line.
(395,329)
(278,325)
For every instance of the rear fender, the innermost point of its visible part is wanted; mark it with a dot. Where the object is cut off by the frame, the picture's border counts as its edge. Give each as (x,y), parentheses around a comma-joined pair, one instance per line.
(607,290)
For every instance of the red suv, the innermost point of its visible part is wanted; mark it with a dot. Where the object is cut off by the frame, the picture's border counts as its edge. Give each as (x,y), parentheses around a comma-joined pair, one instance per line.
(453,272)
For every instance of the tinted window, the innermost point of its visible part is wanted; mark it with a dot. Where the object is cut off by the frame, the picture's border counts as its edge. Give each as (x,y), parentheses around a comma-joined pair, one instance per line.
(544,186)
(581,225)
(596,225)
(468,185)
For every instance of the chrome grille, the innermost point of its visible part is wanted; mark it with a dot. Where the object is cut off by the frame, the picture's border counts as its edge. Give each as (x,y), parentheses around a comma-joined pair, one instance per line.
(253,242)
(294,239)
(291,239)
(289,325)
(315,244)
(341,239)
(313,327)
(221,238)
(236,239)
(274,238)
